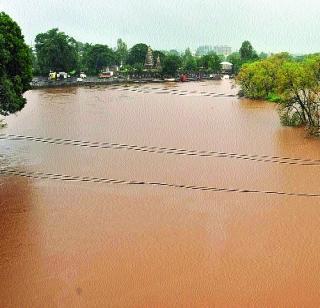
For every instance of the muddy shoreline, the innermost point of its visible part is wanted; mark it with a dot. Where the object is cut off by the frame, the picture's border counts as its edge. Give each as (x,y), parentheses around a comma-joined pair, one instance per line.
(43,83)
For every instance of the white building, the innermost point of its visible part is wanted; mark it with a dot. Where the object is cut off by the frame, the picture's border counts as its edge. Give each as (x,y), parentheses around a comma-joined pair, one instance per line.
(226,67)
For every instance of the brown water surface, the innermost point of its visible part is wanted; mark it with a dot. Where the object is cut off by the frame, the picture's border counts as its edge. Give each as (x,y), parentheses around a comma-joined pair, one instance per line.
(91,244)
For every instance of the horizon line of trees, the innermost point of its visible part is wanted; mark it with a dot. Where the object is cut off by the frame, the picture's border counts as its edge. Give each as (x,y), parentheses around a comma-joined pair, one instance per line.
(56,51)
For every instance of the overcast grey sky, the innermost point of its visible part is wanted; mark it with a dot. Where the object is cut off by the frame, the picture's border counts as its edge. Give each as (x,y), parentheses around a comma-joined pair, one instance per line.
(271,25)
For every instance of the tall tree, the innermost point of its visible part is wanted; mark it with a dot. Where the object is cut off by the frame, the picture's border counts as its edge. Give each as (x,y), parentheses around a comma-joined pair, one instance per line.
(121,51)
(170,65)
(210,62)
(247,53)
(56,51)
(189,61)
(15,66)
(137,54)
(97,57)
(235,59)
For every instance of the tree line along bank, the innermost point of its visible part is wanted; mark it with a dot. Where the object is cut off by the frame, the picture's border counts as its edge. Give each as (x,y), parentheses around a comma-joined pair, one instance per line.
(56,51)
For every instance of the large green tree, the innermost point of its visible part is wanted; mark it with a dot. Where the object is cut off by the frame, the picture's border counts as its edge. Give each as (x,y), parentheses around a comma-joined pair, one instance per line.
(97,57)
(235,59)
(15,66)
(294,84)
(210,63)
(170,65)
(56,51)
(189,62)
(121,52)
(137,54)
(247,53)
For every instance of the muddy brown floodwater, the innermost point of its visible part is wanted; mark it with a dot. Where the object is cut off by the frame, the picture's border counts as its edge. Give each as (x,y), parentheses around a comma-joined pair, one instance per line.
(92,244)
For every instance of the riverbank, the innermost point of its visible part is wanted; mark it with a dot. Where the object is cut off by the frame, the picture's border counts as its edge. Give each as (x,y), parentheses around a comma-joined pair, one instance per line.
(42,82)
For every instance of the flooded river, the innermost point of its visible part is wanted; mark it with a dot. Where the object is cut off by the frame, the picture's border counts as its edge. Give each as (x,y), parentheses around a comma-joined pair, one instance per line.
(167,239)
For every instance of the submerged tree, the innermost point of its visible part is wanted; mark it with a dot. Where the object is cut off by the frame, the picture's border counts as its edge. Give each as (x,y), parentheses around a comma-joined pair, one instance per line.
(259,80)
(295,85)
(15,66)
(299,87)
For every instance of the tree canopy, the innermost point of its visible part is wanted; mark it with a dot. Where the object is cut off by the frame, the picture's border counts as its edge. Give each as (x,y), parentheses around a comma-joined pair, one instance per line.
(189,62)
(121,51)
(235,59)
(56,51)
(210,63)
(294,84)
(15,66)
(137,54)
(247,53)
(170,65)
(97,57)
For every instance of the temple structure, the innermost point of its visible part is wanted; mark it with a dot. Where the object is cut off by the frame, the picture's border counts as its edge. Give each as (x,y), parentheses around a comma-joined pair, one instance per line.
(149,59)
(158,63)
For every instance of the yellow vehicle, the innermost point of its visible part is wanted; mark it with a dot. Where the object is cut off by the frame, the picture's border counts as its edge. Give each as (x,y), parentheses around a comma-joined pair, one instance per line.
(52,76)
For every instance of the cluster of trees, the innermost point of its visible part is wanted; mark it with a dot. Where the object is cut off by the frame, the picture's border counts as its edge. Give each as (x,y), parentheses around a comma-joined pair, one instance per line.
(294,83)
(56,51)
(15,66)
(246,54)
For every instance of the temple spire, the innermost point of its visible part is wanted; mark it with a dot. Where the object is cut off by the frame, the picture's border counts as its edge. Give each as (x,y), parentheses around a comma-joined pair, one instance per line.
(149,59)
(158,63)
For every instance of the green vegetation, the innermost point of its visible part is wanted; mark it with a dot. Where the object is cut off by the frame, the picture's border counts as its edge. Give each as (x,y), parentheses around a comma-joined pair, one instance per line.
(15,66)
(137,54)
(121,52)
(293,83)
(56,51)
(171,65)
(210,63)
(247,53)
(96,57)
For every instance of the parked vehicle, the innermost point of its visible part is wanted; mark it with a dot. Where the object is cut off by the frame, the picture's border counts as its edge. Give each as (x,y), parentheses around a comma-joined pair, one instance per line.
(52,76)
(170,79)
(63,75)
(105,75)
(183,78)
(83,75)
